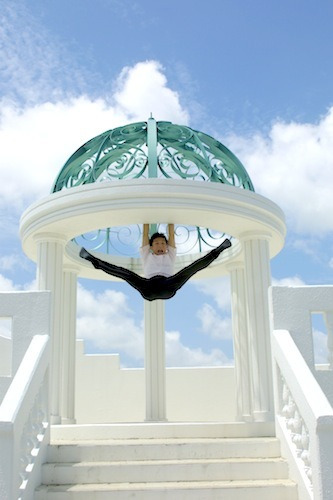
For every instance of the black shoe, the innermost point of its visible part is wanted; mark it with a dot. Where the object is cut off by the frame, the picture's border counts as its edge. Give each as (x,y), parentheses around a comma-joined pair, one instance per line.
(84,254)
(226,244)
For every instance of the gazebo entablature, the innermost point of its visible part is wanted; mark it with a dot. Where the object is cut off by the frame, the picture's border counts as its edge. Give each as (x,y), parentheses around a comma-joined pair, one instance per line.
(63,216)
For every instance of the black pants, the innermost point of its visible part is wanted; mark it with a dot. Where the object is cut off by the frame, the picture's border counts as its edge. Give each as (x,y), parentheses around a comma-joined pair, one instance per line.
(157,287)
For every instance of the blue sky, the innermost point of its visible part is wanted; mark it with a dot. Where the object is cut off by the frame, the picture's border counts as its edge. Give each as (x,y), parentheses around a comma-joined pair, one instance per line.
(256,75)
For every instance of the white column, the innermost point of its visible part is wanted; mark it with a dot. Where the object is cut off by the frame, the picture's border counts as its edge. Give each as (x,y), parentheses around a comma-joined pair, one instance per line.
(50,249)
(240,338)
(155,360)
(68,344)
(258,279)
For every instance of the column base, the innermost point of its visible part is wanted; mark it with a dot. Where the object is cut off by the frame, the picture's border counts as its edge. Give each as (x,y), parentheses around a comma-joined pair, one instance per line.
(68,421)
(244,418)
(263,416)
(155,420)
(55,419)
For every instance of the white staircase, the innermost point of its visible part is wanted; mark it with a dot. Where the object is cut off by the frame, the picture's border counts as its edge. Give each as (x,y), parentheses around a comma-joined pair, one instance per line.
(163,461)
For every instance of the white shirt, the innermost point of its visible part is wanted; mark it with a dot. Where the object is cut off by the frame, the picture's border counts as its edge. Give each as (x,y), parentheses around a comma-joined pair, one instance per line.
(162,265)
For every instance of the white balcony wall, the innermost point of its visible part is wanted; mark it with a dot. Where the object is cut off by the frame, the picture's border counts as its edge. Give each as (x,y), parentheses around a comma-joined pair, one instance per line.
(106,393)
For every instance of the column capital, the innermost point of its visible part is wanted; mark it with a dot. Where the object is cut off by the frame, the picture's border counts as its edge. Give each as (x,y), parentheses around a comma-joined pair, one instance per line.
(255,235)
(71,268)
(234,265)
(50,238)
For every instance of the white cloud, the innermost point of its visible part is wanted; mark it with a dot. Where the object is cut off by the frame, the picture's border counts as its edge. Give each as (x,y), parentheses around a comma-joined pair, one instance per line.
(107,320)
(218,289)
(309,246)
(293,166)
(177,354)
(142,89)
(30,286)
(34,66)
(35,142)
(212,324)
(320,347)
(8,262)
(5,328)
(288,281)
(46,113)
(6,285)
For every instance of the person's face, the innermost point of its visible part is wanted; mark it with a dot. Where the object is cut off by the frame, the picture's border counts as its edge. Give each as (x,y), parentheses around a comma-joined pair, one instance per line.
(159,246)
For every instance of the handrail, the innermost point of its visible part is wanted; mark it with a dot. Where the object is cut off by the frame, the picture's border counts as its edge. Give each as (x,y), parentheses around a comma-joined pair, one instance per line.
(304,418)
(24,423)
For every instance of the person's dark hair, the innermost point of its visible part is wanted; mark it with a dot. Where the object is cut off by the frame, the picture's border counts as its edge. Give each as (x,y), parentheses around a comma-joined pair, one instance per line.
(157,235)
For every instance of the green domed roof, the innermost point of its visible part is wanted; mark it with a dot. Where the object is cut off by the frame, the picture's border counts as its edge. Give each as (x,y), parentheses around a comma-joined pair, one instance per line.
(152,149)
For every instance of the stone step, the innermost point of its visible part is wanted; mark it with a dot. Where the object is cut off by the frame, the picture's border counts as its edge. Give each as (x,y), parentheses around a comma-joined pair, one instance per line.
(164,471)
(150,449)
(212,490)
(161,430)
(172,461)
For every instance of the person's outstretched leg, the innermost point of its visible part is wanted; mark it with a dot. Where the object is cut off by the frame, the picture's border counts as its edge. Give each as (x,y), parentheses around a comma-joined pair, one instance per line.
(130,277)
(179,279)
(158,287)
(150,289)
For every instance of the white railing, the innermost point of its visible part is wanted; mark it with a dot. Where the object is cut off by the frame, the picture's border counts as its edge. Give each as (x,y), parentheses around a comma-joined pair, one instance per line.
(304,414)
(24,424)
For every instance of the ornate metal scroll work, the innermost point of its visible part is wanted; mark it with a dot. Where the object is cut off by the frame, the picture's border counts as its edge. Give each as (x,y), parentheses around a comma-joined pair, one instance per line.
(190,154)
(127,240)
(116,154)
(122,153)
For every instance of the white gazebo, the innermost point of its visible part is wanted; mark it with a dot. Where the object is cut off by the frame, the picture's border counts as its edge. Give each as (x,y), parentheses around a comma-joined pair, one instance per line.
(152,172)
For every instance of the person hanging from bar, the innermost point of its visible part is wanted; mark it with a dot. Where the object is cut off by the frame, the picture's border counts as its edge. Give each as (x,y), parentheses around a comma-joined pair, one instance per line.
(158,257)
